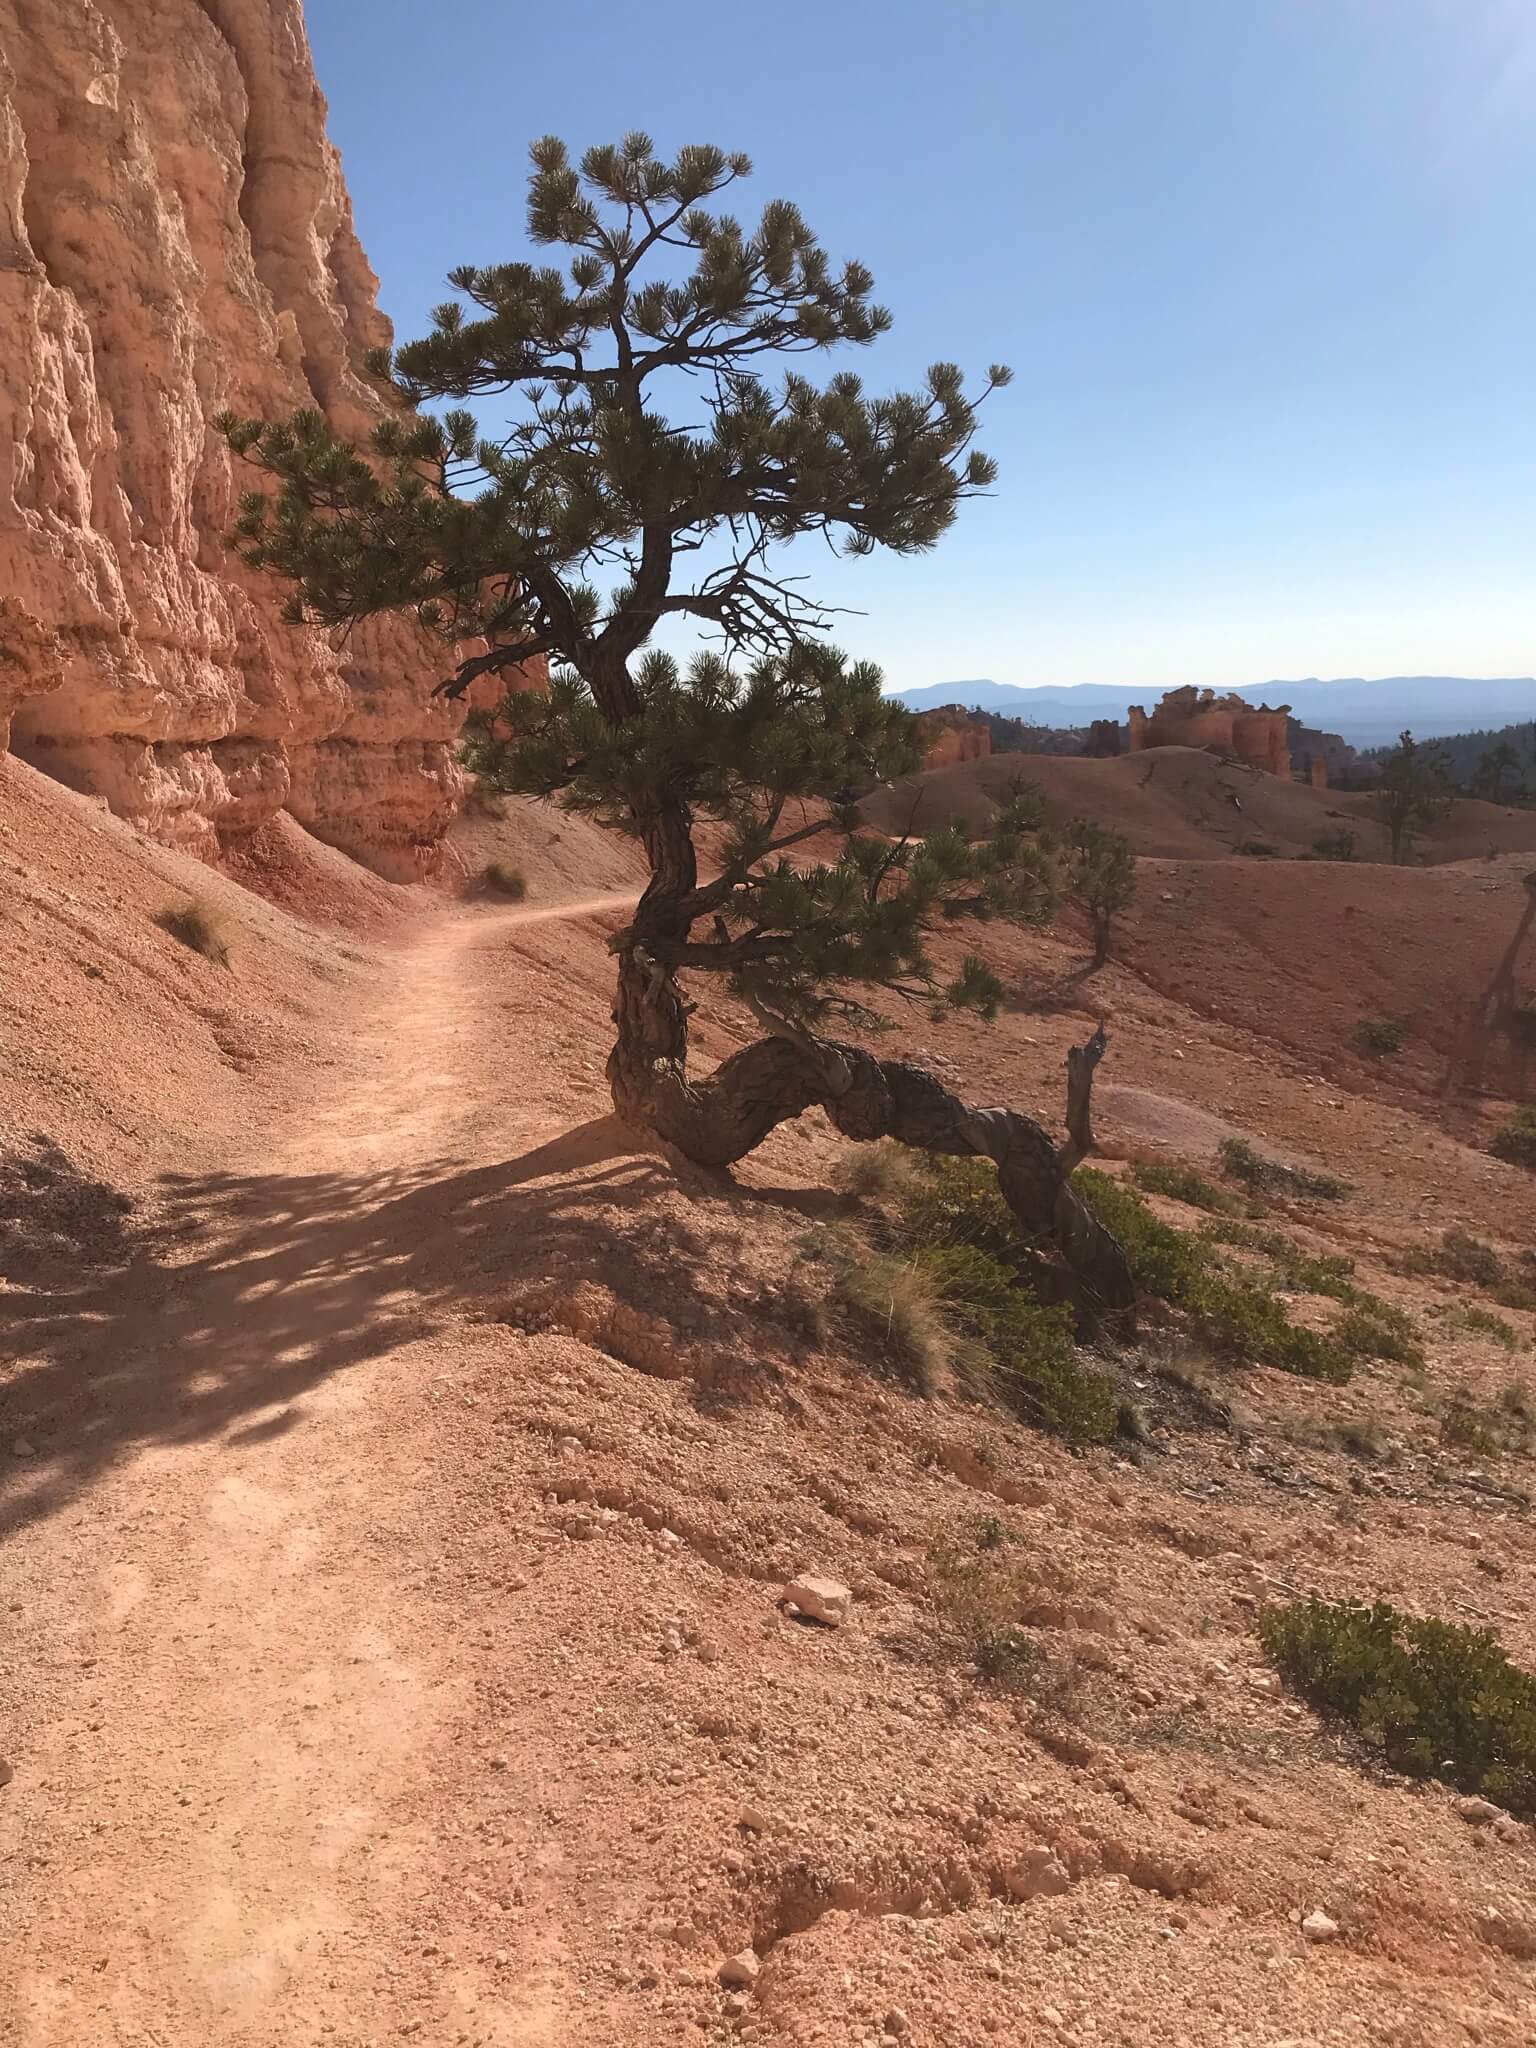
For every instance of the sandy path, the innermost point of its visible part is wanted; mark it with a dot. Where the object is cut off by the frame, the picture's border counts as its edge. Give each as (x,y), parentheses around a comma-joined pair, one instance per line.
(227,1693)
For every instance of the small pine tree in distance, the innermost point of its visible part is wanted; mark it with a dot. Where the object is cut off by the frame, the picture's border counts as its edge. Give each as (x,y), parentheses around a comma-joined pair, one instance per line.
(1101,874)
(1414,792)
(595,516)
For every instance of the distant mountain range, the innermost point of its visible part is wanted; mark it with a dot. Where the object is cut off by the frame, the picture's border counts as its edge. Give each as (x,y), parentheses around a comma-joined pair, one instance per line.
(1368,713)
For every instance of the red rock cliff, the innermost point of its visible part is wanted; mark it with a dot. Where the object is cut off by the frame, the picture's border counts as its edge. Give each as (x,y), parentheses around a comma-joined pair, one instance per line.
(176,237)
(951,733)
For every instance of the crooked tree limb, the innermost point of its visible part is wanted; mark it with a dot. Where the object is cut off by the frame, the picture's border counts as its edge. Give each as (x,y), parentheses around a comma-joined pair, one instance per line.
(1082,1063)
(719,1119)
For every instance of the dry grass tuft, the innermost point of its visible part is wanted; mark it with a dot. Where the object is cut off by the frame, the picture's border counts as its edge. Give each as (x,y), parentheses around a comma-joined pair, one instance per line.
(198,925)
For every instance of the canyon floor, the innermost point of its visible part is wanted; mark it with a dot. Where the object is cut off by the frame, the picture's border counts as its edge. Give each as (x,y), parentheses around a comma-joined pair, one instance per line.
(400,1464)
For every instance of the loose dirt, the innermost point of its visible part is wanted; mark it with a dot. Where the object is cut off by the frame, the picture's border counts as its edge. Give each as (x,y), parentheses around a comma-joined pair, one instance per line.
(389,1633)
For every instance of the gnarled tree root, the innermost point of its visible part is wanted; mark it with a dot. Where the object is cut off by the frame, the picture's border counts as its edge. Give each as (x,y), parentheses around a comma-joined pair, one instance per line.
(719,1119)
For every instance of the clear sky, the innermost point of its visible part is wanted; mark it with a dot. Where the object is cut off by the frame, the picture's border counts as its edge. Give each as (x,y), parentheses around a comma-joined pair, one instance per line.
(1263,268)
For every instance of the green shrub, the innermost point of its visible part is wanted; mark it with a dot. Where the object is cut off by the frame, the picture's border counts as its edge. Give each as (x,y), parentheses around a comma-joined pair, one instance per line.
(504,881)
(198,925)
(951,1292)
(981,1590)
(1434,1696)
(1242,1163)
(1373,1328)
(1482,1322)
(1380,1036)
(1257,849)
(1458,1256)
(1183,1184)
(1505,1424)
(1238,1317)
(1338,845)
(1516,1139)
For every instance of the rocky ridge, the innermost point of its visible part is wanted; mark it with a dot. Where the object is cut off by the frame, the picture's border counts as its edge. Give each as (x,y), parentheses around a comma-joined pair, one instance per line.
(176,238)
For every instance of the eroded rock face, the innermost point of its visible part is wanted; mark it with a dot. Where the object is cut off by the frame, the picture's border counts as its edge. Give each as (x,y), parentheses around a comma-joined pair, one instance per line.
(175,237)
(951,733)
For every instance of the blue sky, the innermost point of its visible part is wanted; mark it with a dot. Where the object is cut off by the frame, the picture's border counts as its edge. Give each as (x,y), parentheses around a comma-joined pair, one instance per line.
(1263,268)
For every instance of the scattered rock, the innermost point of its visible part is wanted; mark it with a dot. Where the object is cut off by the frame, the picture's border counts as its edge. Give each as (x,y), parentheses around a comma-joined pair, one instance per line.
(1038,1874)
(739,1972)
(23,1447)
(896,2022)
(7,1771)
(816,1599)
(1479,1812)
(1318,1927)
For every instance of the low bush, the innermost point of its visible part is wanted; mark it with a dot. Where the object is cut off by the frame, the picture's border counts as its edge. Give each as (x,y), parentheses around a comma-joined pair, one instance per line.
(1237,1317)
(1435,1697)
(1241,1163)
(1482,1322)
(1505,1424)
(1515,1140)
(952,1291)
(1257,849)
(981,1589)
(1338,845)
(1373,1328)
(504,881)
(199,925)
(1380,1037)
(1183,1184)
(1458,1256)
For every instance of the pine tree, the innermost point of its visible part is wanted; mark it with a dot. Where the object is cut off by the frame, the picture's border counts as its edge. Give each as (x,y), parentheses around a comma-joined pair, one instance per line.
(1414,791)
(1101,872)
(595,517)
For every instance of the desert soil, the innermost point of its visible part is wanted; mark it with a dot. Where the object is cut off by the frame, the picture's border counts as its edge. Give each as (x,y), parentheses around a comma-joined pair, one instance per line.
(397,1497)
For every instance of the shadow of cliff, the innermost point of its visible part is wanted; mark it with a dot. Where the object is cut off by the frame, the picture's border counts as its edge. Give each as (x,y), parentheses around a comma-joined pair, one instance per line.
(238,1294)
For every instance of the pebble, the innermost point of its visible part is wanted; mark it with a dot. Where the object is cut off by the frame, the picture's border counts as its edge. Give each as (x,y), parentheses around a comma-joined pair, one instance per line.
(23,1447)
(896,2021)
(1318,1927)
(818,1599)
(739,1972)
(7,1771)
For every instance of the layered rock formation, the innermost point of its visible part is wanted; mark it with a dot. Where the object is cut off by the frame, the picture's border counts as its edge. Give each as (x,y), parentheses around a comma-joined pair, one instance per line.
(951,733)
(175,237)
(1254,734)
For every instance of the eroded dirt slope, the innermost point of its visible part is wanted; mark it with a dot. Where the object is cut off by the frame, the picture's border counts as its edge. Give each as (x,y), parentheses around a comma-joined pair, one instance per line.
(390,1643)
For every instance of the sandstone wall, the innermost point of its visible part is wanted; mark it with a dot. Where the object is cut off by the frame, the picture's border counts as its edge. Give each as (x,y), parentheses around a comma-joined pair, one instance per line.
(176,237)
(952,733)
(1225,725)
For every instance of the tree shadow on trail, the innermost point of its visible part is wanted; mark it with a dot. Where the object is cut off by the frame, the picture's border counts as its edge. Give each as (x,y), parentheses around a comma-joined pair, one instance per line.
(238,1294)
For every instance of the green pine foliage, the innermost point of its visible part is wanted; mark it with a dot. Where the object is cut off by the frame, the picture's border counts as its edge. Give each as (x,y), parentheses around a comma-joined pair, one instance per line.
(1515,1140)
(1101,876)
(592,516)
(1435,1697)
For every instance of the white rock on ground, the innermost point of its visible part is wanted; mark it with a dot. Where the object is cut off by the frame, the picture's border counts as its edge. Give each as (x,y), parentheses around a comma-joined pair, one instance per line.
(818,1599)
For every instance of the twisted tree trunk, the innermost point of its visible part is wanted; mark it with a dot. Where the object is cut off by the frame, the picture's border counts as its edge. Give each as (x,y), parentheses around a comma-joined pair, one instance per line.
(719,1119)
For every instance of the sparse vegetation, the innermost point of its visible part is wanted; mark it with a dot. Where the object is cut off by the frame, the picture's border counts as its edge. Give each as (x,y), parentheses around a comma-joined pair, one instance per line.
(482,801)
(1414,791)
(1238,1317)
(1373,1328)
(1256,849)
(1267,1176)
(506,881)
(982,1588)
(1101,878)
(1380,1036)
(1183,1184)
(1503,1425)
(950,1293)
(1338,845)
(1458,1256)
(198,924)
(1482,1322)
(1515,1140)
(1435,1697)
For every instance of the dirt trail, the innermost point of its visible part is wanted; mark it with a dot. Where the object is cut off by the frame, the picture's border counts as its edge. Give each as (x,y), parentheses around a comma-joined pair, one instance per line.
(239,1691)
